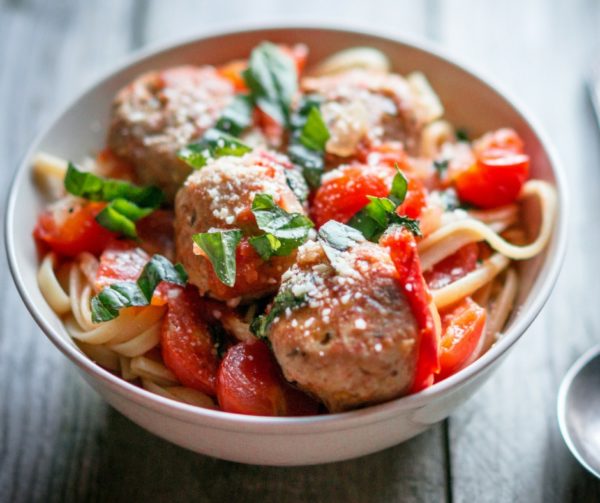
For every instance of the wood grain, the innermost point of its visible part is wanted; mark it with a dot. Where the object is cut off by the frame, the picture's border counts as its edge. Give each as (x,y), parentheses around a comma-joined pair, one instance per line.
(60,442)
(505,442)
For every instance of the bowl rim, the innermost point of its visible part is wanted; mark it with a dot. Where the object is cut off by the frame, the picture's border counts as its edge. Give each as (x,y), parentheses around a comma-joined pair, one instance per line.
(325,422)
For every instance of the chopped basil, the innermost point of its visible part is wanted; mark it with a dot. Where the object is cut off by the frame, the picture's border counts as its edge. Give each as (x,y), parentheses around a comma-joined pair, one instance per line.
(120,216)
(107,304)
(284,231)
(283,300)
(308,137)
(373,220)
(127,202)
(95,188)
(297,183)
(273,81)
(399,187)
(314,134)
(237,116)
(310,162)
(220,247)
(462,135)
(213,144)
(441,167)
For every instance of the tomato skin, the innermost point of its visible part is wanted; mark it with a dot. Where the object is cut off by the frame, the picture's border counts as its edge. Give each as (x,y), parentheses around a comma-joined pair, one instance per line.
(249,381)
(233,72)
(187,346)
(72,229)
(462,328)
(123,260)
(453,267)
(415,200)
(403,252)
(498,173)
(341,196)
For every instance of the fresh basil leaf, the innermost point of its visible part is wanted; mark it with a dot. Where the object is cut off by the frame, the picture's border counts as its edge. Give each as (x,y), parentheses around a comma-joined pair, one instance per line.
(399,187)
(314,134)
(237,116)
(265,245)
(283,300)
(120,216)
(220,247)
(159,269)
(409,223)
(374,218)
(273,81)
(462,135)
(441,167)
(310,162)
(297,183)
(213,144)
(289,229)
(95,188)
(112,220)
(106,305)
(300,116)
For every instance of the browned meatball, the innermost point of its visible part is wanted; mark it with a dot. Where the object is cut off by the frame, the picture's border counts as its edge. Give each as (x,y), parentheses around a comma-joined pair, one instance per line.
(219,197)
(353,342)
(367,105)
(161,112)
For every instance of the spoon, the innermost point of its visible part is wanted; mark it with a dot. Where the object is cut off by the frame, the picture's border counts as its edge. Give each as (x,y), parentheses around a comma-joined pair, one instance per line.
(578,410)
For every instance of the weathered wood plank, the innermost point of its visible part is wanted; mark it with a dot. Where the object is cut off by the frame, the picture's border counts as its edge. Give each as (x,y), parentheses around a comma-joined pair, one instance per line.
(505,442)
(49,421)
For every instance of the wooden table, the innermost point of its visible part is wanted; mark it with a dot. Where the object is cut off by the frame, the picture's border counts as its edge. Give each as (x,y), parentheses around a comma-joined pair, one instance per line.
(60,442)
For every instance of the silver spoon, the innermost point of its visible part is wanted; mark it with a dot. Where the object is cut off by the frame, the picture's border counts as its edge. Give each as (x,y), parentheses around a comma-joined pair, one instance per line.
(579,410)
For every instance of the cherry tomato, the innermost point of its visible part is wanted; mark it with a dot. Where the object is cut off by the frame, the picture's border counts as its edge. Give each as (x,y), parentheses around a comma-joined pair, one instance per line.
(233,72)
(415,200)
(462,328)
(453,267)
(123,260)
(345,190)
(187,346)
(71,229)
(403,251)
(498,173)
(250,382)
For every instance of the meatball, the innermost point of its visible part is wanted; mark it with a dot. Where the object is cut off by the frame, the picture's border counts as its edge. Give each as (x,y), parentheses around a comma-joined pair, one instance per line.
(367,105)
(219,197)
(353,341)
(161,112)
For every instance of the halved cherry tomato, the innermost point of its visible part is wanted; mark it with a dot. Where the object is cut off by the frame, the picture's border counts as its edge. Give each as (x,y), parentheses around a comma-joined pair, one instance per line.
(453,267)
(272,129)
(250,382)
(123,260)
(233,72)
(71,229)
(403,251)
(498,174)
(462,328)
(415,200)
(345,190)
(187,346)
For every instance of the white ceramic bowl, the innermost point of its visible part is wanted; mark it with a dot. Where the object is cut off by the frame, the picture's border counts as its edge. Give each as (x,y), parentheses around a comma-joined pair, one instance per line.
(469,101)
